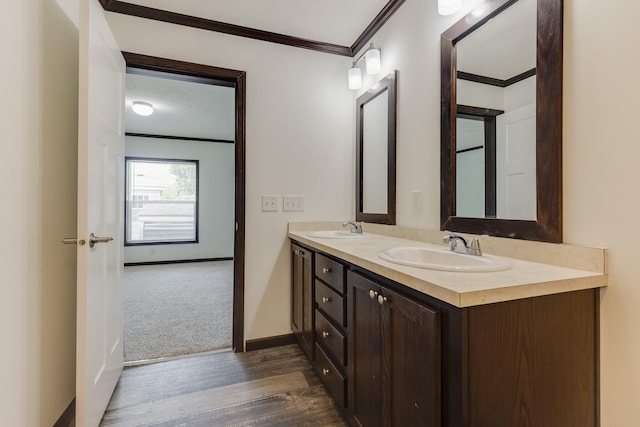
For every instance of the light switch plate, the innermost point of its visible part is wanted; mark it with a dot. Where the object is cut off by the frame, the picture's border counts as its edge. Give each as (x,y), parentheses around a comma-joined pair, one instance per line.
(292,203)
(269,203)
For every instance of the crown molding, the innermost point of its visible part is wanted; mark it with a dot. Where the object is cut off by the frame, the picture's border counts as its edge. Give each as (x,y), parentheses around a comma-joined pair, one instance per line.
(161,15)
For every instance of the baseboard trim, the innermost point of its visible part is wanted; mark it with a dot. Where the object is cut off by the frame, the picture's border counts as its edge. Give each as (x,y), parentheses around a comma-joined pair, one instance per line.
(67,416)
(268,342)
(178,261)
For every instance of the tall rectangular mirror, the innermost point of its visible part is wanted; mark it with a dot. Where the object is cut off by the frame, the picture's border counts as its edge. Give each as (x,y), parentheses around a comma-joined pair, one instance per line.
(501,121)
(376,153)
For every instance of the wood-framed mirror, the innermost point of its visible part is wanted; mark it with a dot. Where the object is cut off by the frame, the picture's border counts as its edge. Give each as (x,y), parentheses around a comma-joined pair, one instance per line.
(376,153)
(541,219)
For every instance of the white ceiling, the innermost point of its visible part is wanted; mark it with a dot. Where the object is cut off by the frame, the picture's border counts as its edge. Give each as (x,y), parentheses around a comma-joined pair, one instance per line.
(503,47)
(181,108)
(330,21)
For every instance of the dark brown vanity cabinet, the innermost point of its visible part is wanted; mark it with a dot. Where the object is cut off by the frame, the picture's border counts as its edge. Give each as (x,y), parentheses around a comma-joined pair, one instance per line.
(394,357)
(302,298)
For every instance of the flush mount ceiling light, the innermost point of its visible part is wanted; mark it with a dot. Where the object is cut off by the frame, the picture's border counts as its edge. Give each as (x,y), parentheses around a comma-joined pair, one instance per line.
(373,65)
(142,108)
(448,7)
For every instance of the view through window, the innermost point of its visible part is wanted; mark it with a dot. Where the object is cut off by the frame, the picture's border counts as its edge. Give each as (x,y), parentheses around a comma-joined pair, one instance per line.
(161,201)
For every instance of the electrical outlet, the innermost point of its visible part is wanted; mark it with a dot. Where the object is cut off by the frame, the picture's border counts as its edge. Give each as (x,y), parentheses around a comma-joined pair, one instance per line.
(417,200)
(269,203)
(292,203)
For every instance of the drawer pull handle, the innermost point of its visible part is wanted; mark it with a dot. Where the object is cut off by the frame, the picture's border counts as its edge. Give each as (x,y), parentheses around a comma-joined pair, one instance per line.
(325,334)
(326,270)
(372,294)
(381,299)
(325,371)
(326,299)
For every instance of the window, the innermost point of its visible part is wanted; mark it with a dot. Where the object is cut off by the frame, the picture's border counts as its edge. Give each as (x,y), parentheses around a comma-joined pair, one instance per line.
(161,201)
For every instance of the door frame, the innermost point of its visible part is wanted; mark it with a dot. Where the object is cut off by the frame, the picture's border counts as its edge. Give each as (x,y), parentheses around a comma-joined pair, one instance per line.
(238,79)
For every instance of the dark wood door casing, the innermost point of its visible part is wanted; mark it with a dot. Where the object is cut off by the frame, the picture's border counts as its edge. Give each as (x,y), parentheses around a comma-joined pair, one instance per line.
(238,80)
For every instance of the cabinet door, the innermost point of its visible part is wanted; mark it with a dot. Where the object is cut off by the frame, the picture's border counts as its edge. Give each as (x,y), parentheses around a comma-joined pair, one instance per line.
(302,298)
(364,351)
(411,362)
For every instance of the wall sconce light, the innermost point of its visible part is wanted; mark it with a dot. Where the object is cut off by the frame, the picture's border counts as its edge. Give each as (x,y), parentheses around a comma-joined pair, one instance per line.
(371,57)
(448,7)
(142,108)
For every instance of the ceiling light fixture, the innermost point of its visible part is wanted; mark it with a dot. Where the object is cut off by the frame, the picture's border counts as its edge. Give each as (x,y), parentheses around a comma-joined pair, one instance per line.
(142,108)
(373,65)
(448,7)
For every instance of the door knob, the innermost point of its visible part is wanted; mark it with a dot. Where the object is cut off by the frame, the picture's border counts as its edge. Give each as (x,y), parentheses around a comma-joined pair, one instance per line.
(94,239)
(373,294)
(381,299)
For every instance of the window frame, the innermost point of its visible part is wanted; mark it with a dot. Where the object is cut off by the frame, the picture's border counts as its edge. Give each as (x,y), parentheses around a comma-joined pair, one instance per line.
(196,238)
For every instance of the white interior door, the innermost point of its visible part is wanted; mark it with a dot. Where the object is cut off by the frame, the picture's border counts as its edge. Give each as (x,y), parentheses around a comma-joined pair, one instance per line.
(516,164)
(100,211)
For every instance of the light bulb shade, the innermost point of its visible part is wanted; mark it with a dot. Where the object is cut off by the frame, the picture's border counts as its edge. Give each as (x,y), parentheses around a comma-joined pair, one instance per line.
(372,59)
(142,108)
(355,78)
(448,7)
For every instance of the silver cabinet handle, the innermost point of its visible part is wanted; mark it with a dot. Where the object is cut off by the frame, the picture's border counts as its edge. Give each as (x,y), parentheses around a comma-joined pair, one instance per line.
(325,371)
(326,270)
(326,299)
(73,241)
(381,299)
(94,239)
(372,294)
(325,334)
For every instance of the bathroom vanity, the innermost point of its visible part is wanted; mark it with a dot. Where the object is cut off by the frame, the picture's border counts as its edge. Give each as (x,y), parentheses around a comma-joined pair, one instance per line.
(397,345)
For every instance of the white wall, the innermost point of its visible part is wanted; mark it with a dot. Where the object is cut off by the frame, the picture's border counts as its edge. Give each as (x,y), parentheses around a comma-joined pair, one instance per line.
(299,139)
(38,148)
(216,198)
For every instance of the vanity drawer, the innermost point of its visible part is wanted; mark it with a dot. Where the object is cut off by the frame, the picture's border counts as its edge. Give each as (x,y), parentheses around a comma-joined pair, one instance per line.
(331,272)
(330,302)
(331,377)
(330,338)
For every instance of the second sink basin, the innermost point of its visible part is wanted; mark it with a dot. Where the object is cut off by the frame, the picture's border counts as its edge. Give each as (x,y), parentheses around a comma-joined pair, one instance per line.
(334,234)
(443,259)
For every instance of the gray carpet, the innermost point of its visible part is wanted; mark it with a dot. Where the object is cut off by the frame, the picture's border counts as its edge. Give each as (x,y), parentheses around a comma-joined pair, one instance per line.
(177,309)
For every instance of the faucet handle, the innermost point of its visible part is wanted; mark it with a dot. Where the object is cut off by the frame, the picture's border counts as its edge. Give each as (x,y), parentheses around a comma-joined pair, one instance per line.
(448,235)
(474,246)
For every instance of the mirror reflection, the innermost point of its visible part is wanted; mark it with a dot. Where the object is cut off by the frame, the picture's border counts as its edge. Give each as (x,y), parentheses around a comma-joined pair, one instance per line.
(496,117)
(375,153)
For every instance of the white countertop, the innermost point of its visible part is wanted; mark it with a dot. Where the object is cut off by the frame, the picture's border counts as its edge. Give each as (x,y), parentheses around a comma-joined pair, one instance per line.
(525,279)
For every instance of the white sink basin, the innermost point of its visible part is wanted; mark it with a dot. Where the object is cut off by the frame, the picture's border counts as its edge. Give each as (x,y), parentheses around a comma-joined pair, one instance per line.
(334,234)
(443,259)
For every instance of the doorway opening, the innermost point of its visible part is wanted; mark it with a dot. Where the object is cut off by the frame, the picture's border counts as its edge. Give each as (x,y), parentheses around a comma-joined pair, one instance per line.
(193,235)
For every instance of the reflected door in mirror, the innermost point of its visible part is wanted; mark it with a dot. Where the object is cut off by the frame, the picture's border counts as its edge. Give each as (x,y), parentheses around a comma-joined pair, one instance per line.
(496,70)
(374,154)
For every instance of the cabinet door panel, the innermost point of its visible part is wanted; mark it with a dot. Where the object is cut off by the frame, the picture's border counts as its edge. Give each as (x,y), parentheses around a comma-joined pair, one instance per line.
(363,355)
(302,298)
(411,349)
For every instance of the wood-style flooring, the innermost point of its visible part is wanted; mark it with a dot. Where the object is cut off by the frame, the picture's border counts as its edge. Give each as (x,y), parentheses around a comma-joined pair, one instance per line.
(270,387)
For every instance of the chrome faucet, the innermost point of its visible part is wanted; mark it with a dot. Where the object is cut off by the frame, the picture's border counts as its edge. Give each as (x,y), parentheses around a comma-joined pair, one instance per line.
(471,248)
(355,228)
